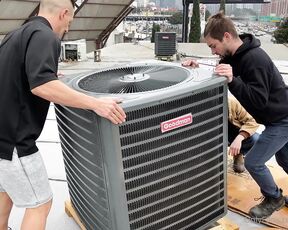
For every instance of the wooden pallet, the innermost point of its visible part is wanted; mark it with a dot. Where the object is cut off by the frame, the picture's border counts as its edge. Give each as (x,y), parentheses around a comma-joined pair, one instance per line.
(222,224)
(70,211)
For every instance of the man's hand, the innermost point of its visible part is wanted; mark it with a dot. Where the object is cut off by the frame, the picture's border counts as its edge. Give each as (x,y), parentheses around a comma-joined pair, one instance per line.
(224,70)
(235,146)
(190,63)
(109,108)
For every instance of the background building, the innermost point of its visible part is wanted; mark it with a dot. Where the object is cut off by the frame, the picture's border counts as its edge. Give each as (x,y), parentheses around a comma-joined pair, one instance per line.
(142,3)
(275,8)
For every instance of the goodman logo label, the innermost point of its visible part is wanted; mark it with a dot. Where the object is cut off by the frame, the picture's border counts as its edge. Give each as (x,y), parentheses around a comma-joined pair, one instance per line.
(176,122)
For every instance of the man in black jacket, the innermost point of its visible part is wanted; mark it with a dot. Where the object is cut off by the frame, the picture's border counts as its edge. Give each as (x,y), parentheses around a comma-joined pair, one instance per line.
(255,81)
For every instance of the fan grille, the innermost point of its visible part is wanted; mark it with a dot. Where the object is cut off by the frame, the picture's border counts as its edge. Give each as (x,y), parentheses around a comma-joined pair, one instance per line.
(134,79)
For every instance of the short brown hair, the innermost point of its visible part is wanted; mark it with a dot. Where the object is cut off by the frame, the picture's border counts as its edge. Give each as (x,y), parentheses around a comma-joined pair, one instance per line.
(217,25)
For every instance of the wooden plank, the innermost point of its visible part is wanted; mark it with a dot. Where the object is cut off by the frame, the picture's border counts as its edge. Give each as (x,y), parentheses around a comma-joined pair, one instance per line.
(70,211)
(224,224)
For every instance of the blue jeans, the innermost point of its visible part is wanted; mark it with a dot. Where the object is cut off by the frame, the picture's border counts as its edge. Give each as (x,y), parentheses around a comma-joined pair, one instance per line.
(272,141)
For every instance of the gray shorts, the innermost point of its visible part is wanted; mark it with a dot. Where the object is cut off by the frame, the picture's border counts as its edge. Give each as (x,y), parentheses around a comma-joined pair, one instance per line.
(25,180)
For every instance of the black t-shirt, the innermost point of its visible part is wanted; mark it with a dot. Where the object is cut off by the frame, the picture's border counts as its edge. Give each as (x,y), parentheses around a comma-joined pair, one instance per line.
(28,58)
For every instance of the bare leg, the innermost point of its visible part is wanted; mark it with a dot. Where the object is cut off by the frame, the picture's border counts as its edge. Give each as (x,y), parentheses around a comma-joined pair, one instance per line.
(35,218)
(6,205)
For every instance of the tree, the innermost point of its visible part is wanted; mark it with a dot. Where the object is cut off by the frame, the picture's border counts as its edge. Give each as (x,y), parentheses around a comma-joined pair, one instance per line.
(281,34)
(207,15)
(222,6)
(176,18)
(155,28)
(195,27)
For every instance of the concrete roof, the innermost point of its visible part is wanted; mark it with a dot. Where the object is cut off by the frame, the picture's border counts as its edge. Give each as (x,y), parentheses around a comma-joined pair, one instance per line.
(123,53)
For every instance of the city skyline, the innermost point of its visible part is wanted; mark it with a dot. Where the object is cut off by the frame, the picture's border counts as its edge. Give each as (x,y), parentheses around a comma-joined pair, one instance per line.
(278,8)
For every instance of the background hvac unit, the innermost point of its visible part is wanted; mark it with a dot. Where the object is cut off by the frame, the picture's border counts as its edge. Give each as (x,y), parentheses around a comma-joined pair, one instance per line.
(73,51)
(165,167)
(165,43)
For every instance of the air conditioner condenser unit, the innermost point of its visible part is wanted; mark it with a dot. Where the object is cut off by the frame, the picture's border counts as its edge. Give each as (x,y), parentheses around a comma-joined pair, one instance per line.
(73,51)
(165,167)
(165,43)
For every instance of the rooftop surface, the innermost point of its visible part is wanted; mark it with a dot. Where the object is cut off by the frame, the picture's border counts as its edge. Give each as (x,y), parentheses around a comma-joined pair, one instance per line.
(120,54)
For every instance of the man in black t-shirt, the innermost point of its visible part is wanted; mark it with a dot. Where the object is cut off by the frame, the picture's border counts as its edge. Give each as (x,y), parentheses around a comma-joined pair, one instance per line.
(28,75)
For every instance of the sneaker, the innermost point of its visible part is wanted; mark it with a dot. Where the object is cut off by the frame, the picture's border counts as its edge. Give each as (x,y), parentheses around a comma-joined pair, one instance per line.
(267,207)
(238,163)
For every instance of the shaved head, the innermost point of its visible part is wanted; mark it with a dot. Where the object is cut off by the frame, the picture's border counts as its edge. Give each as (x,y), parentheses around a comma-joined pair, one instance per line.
(59,13)
(53,6)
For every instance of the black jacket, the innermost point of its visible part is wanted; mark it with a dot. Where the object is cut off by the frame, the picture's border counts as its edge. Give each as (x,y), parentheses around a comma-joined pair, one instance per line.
(257,83)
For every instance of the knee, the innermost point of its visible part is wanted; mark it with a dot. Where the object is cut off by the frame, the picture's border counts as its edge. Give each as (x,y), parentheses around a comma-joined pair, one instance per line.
(247,165)
(47,207)
(36,218)
(250,165)
(254,167)
(5,206)
(44,209)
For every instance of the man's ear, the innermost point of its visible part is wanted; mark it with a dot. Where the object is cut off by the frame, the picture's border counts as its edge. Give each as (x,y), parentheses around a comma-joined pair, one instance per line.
(227,36)
(62,14)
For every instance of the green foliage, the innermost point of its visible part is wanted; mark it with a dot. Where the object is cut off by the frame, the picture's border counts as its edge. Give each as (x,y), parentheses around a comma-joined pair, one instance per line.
(176,18)
(281,34)
(207,15)
(222,6)
(195,27)
(155,28)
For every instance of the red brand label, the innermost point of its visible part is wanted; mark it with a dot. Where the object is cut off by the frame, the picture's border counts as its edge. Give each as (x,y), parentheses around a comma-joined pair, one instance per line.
(176,122)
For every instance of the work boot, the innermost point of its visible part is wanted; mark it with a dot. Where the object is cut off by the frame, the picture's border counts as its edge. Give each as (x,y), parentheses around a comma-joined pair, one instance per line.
(238,163)
(267,207)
